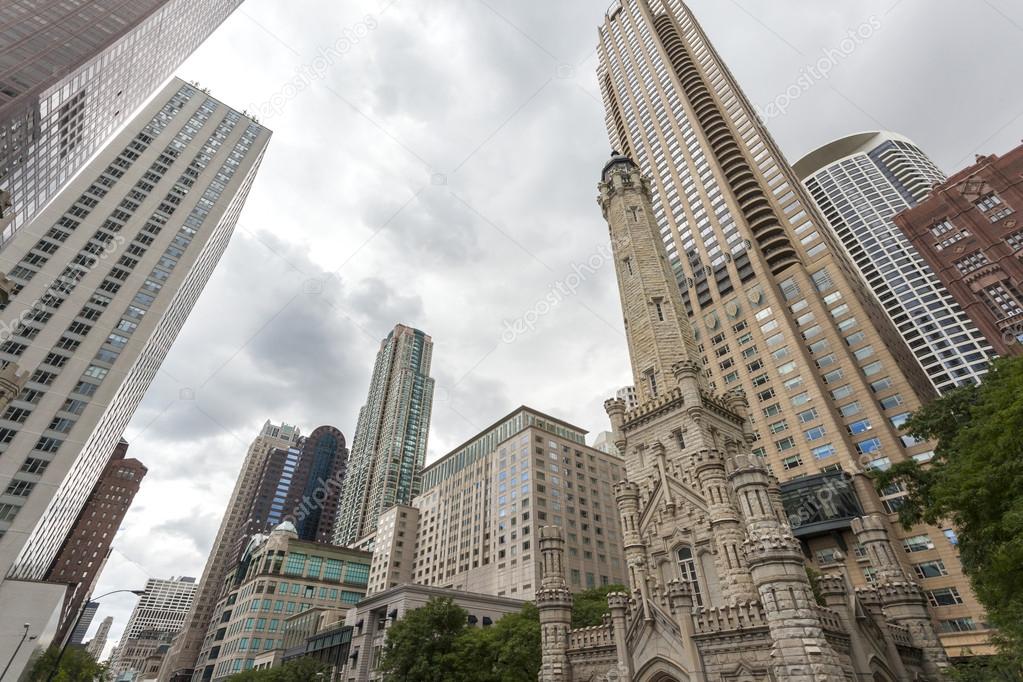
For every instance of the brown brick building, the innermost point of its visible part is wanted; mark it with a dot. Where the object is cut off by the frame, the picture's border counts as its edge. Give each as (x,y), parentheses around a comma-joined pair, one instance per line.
(87,546)
(969,231)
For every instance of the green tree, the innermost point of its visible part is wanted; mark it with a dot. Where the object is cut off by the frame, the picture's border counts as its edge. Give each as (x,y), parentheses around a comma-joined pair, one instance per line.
(76,665)
(420,646)
(298,670)
(589,606)
(508,651)
(975,482)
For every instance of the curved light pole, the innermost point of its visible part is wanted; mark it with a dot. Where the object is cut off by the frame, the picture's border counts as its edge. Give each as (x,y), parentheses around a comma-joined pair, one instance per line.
(78,619)
(24,636)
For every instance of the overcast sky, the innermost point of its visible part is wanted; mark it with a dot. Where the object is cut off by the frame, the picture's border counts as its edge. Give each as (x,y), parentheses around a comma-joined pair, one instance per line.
(434,163)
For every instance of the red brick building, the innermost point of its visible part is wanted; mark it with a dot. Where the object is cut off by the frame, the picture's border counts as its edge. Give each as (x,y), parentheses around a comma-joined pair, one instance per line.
(87,546)
(970,231)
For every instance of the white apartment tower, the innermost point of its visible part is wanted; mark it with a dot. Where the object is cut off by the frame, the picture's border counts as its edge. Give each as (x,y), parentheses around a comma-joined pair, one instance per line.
(860,183)
(98,287)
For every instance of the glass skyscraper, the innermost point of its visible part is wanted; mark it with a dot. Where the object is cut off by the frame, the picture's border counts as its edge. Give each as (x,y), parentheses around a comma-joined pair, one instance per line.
(389,448)
(860,183)
(777,308)
(100,284)
(71,73)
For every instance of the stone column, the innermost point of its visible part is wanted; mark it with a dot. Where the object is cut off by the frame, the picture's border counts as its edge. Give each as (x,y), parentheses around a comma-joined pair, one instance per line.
(901,597)
(615,408)
(554,602)
(687,374)
(681,596)
(736,584)
(838,595)
(627,496)
(618,603)
(775,560)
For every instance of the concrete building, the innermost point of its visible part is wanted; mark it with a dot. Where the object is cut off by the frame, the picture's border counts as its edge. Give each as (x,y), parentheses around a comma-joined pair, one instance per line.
(628,394)
(473,527)
(970,235)
(776,307)
(100,283)
(226,550)
(98,643)
(717,582)
(278,576)
(859,183)
(85,551)
(369,621)
(157,617)
(72,73)
(138,658)
(389,448)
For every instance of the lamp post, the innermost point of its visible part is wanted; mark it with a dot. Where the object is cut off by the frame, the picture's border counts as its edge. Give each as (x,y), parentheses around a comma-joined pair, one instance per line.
(24,636)
(78,618)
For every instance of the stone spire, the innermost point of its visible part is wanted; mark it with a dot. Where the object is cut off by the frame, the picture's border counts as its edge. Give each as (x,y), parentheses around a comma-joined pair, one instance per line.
(554,602)
(656,323)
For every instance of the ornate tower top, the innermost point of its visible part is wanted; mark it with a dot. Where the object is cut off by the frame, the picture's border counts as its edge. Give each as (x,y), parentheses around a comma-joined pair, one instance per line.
(656,323)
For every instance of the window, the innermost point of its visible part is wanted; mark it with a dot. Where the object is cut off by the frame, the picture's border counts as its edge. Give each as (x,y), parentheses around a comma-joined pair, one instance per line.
(823,451)
(808,416)
(964,624)
(791,462)
(859,427)
(785,444)
(687,571)
(816,433)
(295,564)
(917,543)
(945,596)
(930,569)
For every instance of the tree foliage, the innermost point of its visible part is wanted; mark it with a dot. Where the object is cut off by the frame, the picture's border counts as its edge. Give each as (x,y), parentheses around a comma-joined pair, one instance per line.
(589,606)
(298,670)
(975,482)
(435,643)
(76,665)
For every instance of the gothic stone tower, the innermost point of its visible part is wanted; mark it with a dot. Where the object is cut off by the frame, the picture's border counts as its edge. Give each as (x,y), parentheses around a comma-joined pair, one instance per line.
(717,583)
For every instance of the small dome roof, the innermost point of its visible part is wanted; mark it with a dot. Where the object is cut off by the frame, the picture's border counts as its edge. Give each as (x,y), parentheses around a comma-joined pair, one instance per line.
(616,158)
(286,527)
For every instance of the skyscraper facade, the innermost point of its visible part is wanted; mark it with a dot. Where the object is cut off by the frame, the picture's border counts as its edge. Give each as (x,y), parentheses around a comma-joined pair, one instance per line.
(226,549)
(389,448)
(158,615)
(775,306)
(72,73)
(474,526)
(100,284)
(970,234)
(88,612)
(859,183)
(85,551)
(98,643)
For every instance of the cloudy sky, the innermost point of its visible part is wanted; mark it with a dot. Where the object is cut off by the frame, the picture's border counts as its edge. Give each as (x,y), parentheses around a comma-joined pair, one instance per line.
(434,163)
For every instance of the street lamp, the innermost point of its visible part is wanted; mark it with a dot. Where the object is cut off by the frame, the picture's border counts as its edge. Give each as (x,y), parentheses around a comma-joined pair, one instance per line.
(78,618)
(24,636)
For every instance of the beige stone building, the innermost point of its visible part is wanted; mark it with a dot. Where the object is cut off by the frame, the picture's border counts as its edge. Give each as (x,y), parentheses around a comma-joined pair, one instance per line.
(717,583)
(278,577)
(474,526)
(776,307)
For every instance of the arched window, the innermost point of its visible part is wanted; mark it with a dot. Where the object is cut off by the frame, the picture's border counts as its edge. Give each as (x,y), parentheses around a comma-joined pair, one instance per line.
(687,571)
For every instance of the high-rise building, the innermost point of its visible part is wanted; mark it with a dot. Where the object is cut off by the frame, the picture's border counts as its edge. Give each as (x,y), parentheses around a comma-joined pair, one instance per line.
(72,73)
(226,549)
(279,575)
(158,615)
(100,284)
(775,306)
(717,581)
(87,546)
(389,448)
(99,641)
(628,394)
(474,526)
(88,612)
(970,235)
(859,183)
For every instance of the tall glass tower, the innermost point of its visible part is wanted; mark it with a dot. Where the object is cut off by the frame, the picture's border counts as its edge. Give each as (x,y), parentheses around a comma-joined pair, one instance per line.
(776,307)
(98,286)
(860,183)
(389,448)
(71,73)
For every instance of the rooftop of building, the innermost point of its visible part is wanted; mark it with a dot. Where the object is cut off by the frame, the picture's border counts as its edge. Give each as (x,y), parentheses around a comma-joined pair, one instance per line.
(843,147)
